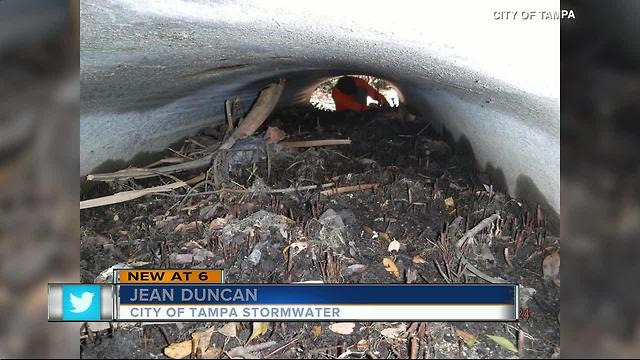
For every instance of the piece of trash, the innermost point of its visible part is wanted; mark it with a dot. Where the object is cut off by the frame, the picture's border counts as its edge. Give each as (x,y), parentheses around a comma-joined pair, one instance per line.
(504,342)
(332,230)
(256,254)
(181,259)
(391,267)
(106,276)
(394,246)
(259,220)
(258,329)
(342,328)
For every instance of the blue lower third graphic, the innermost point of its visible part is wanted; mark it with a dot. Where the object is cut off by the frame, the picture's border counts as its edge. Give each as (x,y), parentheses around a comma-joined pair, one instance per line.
(80,302)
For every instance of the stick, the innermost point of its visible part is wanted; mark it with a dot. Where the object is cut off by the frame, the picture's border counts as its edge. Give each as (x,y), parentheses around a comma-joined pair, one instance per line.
(262,108)
(313,143)
(227,110)
(477,271)
(281,347)
(351,188)
(138,173)
(129,195)
(413,352)
(476,229)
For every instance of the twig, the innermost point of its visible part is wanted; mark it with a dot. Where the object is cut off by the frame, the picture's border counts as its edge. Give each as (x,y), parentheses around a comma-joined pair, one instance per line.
(413,352)
(129,195)
(169,160)
(477,271)
(313,143)
(476,229)
(346,189)
(423,129)
(138,173)
(521,344)
(281,347)
(444,276)
(244,191)
(262,108)
(229,116)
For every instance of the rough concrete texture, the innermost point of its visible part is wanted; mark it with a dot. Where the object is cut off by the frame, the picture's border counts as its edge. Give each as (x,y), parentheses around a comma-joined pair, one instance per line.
(155,71)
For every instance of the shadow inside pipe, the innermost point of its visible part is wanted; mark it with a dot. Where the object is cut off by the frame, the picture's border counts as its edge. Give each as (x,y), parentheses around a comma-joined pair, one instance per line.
(526,191)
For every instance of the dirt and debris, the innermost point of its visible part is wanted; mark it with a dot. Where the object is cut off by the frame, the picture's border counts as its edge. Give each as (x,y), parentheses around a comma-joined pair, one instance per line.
(398,204)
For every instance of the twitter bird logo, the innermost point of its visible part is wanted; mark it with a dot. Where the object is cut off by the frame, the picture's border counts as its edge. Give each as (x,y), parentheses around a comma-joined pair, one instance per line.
(81,302)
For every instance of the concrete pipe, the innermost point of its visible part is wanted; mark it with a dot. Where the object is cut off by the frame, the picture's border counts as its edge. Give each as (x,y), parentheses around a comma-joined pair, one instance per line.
(153,72)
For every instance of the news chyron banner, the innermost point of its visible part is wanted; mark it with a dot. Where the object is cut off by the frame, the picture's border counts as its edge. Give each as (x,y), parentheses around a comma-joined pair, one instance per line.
(201,295)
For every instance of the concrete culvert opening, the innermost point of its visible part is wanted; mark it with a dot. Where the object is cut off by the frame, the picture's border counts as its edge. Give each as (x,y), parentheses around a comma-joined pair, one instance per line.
(389,195)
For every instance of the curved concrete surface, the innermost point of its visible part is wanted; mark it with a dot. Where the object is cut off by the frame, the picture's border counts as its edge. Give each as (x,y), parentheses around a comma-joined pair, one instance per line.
(155,71)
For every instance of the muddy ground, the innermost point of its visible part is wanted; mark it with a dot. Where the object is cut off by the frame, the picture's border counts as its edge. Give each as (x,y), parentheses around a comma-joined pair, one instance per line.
(427,196)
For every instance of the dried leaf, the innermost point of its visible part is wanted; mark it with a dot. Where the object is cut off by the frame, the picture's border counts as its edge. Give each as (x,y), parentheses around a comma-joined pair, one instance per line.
(391,267)
(229,329)
(274,135)
(468,338)
(394,246)
(362,345)
(367,230)
(418,260)
(317,330)
(503,342)
(178,350)
(384,236)
(201,340)
(136,264)
(259,329)
(342,328)
(217,224)
(354,269)
(394,332)
(449,202)
(551,268)
(186,227)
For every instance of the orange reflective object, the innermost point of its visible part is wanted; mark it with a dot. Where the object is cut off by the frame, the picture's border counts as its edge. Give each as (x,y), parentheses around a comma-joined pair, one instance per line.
(346,102)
